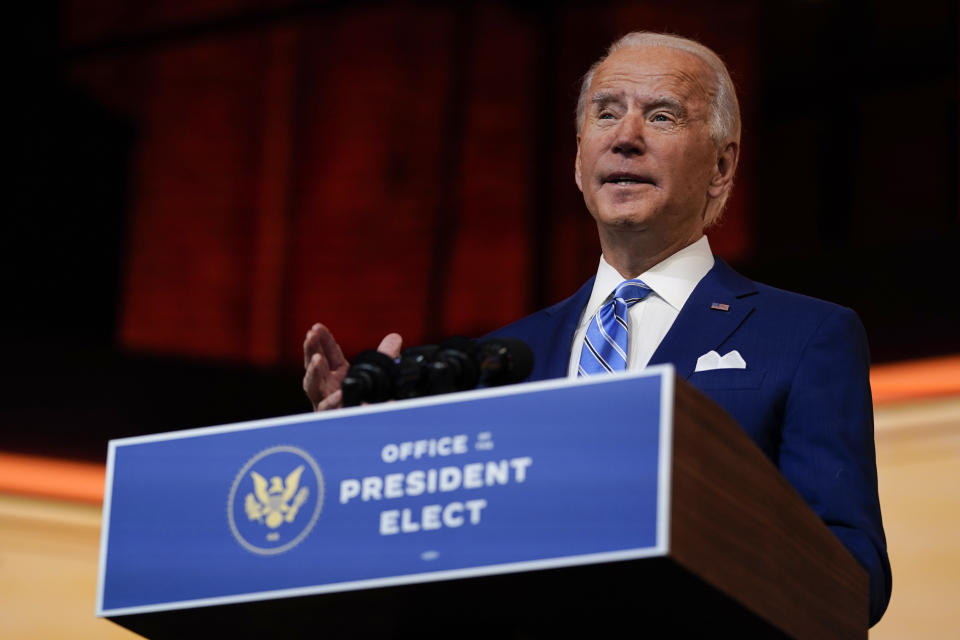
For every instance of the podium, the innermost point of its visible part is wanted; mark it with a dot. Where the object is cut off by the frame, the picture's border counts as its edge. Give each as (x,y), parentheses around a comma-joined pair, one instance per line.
(621,505)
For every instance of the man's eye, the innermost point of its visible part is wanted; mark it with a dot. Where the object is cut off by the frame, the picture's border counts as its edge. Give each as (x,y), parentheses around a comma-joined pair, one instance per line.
(661,117)
(605,115)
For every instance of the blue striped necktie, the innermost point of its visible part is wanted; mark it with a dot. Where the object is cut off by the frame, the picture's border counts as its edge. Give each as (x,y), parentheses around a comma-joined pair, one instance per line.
(605,345)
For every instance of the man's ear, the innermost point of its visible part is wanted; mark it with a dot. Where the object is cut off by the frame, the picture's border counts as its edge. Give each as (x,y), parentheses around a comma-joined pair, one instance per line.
(576,167)
(726,166)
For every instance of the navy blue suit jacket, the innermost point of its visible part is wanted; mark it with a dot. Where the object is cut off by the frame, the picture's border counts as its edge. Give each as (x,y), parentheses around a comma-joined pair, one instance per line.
(804,397)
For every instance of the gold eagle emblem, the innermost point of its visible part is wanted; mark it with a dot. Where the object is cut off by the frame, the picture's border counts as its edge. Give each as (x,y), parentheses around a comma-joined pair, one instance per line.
(270,502)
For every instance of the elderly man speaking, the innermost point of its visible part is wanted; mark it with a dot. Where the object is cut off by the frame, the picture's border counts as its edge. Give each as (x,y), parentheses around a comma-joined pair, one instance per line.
(658,139)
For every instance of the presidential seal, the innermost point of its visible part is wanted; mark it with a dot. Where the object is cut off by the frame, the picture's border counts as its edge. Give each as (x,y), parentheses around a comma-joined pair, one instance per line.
(275,500)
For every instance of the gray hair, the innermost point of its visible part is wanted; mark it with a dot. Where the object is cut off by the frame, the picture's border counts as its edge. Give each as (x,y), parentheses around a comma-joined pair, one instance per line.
(724,111)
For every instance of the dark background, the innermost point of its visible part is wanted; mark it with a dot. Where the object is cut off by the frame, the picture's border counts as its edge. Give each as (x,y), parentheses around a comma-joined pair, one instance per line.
(194,183)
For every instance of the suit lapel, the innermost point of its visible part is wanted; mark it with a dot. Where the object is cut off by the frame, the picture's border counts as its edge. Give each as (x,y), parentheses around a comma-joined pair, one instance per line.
(566,317)
(700,328)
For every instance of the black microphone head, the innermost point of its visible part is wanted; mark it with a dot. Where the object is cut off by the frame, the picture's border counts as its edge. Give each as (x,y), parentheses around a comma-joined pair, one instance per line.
(415,369)
(505,361)
(371,378)
(420,354)
(461,344)
(460,355)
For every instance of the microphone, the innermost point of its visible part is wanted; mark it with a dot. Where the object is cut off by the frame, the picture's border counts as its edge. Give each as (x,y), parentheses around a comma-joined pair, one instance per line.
(419,372)
(504,361)
(456,364)
(371,378)
(459,360)
(492,363)
(376,377)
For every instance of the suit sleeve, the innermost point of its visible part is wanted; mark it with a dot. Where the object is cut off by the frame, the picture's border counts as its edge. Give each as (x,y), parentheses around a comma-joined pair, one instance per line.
(827,449)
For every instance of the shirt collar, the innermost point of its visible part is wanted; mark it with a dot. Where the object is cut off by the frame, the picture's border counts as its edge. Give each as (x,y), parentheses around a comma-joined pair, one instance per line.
(672,279)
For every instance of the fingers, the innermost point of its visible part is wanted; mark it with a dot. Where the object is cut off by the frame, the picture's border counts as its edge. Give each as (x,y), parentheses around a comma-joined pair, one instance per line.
(391,345)
(318,370)
(331,349)
(314,379)
(332,401)
(325,365)
(311,344)
(320,340)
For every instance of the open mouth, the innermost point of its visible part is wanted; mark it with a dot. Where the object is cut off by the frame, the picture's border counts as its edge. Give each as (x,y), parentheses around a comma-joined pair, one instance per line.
(627,179)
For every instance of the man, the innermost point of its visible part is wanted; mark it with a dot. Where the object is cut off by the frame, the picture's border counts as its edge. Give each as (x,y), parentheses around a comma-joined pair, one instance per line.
(658,141)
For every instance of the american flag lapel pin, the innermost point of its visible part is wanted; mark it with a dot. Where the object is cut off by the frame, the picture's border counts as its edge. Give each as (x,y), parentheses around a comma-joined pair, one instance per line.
(720,306)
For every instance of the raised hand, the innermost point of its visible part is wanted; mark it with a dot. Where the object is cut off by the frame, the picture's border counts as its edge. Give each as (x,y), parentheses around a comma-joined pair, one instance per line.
(325,366)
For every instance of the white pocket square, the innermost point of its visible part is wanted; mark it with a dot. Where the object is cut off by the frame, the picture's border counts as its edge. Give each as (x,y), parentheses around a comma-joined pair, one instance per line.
(712,360)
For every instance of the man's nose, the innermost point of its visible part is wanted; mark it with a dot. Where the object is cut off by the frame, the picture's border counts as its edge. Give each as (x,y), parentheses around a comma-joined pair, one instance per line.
(629,139)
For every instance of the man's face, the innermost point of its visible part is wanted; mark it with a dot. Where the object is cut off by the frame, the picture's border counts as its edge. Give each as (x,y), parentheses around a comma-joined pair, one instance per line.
(645,158)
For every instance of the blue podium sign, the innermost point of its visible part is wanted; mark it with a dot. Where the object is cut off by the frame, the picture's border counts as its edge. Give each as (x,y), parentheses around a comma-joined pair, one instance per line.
(527,477)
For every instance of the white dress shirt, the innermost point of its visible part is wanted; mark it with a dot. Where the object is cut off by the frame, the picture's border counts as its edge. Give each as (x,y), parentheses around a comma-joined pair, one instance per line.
(672,281)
